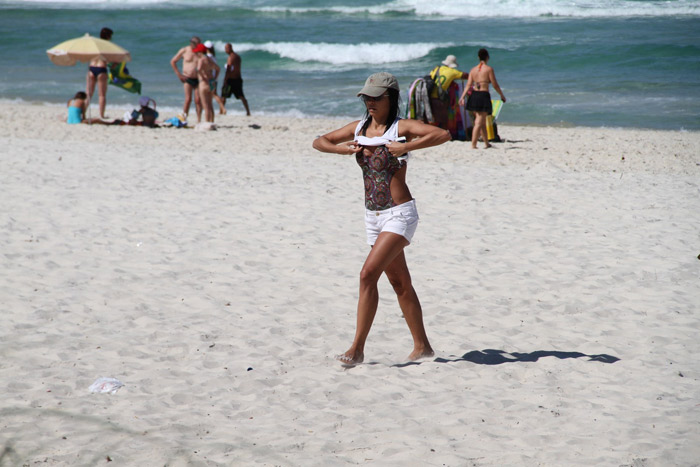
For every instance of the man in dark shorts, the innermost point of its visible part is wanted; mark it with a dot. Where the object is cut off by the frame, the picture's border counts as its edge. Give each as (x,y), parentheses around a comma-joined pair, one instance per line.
(188,76)
(233,83)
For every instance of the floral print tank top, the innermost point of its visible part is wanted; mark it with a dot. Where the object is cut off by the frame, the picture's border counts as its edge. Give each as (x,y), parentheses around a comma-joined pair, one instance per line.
(378,169)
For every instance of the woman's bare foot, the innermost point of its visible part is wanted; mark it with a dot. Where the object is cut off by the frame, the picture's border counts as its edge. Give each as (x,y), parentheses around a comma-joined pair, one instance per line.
(418,354)
(487,146)
(349,358)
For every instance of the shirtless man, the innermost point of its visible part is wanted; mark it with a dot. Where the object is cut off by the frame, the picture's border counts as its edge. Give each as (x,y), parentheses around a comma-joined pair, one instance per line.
(207,70)
(188,77)
(480,100)
(233,84)
(97,74)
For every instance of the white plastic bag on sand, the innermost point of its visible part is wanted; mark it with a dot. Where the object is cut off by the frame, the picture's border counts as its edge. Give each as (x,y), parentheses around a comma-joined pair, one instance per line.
(205,126)
(106,385)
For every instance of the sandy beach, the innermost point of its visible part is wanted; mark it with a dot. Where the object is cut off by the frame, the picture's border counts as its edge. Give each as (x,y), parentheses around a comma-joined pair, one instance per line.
(215,274)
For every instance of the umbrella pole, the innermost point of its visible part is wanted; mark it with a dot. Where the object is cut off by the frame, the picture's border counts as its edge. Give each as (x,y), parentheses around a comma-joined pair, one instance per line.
(89,102)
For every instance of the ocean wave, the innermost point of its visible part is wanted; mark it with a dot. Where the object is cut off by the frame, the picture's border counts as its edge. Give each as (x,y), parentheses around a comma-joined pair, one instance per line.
(417,8)
(342,54)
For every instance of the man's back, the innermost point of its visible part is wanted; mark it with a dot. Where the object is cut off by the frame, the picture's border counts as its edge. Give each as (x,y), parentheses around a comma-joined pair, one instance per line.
(445,78)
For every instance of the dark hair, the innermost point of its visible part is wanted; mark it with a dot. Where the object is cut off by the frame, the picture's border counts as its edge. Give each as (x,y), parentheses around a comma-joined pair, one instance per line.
(483,54)
(394,104)
(80,95)
(106,34)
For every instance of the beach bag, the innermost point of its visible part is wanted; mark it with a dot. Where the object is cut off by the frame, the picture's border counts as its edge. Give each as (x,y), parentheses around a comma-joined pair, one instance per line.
(432,83)
(429,83)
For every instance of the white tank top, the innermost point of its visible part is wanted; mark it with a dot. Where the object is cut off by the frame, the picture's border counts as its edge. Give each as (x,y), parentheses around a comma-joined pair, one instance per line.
(391,134)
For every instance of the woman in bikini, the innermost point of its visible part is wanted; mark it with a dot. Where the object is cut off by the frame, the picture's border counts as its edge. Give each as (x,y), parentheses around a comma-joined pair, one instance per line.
(97,74)
(381,142)
(479,101)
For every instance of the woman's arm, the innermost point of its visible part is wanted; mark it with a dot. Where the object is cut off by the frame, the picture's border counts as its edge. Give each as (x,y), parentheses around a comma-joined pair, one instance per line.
(418,135)
(466,89)
(495,84)
(331,142)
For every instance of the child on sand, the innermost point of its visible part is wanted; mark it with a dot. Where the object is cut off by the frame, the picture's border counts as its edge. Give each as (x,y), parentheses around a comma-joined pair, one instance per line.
(76,108)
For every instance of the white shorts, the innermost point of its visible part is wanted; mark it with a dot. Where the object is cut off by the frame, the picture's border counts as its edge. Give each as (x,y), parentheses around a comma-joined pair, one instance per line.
(401,219)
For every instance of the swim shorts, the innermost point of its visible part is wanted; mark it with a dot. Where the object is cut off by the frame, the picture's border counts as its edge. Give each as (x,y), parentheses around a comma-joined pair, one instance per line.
(232,86)
(401,219)
(194,82)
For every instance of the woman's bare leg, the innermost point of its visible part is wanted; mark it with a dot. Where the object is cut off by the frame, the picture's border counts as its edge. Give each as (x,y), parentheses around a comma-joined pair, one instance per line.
(222,104)
(480,130)
(476,131)
(102,90)
(400,279)
(387,247)
(205,97)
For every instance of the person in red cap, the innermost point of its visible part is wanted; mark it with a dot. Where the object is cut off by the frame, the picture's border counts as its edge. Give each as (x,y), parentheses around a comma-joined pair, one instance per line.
(188,76)
(205,75)
(381,142)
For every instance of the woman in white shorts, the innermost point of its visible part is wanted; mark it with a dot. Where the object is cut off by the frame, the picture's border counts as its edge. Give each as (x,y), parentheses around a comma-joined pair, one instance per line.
(381,142)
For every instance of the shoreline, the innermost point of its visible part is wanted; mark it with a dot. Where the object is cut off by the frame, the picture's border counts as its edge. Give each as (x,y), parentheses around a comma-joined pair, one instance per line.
(172,111)
(578,148)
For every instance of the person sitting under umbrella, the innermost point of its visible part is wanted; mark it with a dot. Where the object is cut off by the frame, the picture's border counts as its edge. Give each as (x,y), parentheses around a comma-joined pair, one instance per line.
(76,110)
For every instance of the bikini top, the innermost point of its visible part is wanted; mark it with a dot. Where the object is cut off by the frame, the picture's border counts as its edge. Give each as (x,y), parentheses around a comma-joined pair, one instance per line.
(391,134)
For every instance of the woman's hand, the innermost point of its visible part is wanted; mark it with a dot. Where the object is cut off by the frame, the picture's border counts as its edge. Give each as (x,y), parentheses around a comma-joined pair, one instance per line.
(339,141)
(461,102)
(396,149)
(352,148)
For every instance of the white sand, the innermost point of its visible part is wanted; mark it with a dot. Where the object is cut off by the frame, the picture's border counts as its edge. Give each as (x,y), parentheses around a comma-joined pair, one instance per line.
(215,274)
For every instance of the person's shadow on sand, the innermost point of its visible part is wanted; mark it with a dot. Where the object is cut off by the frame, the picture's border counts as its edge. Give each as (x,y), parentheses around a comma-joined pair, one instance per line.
(497,357)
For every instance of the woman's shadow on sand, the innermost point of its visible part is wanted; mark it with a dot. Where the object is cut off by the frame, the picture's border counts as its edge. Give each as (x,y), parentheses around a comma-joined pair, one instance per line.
(498,357)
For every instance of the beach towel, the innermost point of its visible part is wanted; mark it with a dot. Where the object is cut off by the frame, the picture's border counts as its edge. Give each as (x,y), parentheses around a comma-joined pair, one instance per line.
(419,102)
(457,115)
(119,76)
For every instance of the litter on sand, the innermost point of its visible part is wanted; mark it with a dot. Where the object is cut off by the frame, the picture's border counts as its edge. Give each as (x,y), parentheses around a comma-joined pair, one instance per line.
(106,385)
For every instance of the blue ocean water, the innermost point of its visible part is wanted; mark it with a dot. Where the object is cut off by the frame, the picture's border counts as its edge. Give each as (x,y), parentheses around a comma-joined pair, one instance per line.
(612,63)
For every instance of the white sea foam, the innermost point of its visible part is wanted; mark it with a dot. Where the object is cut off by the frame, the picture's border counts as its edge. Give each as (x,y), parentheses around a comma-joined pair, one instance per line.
(344,54)
(421,8)
(510,8)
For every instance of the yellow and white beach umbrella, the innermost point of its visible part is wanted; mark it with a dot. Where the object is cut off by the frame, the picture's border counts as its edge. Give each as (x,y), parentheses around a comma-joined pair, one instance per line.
(86,48)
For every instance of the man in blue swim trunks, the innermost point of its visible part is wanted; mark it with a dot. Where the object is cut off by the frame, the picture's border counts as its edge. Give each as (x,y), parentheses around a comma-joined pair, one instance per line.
(188,76)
